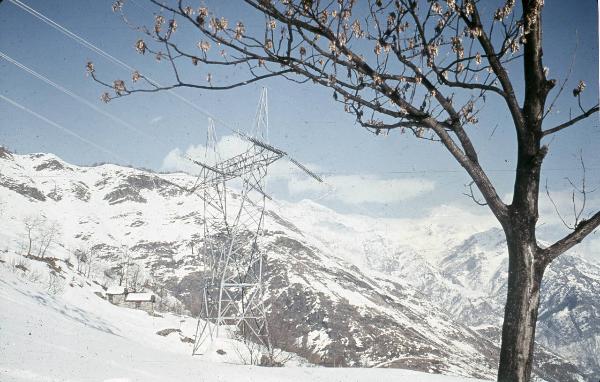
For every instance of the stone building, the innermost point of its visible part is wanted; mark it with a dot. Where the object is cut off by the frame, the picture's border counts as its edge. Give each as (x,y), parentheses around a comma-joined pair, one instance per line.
(116,294)
(144,301)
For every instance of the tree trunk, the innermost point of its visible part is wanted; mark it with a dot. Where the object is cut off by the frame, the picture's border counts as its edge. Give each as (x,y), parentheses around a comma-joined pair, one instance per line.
(30,243)
(525,272)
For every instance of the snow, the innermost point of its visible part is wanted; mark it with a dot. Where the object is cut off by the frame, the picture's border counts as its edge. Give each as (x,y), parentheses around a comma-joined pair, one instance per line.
(78,336)
(115,290)
(403,251)
(145,296)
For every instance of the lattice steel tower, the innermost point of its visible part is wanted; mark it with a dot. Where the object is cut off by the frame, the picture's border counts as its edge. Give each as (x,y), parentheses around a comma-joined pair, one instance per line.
(233,291)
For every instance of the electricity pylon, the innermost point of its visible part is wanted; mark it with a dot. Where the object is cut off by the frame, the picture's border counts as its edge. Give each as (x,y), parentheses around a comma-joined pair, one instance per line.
(233,291)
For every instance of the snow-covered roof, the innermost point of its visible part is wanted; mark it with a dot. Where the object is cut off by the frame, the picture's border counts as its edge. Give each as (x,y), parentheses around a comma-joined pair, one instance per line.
(116,290)
(134,297)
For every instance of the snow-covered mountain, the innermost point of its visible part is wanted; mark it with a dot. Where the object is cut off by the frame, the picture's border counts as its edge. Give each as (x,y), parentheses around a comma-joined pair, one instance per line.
(470,282)
(347,290)
(76,336)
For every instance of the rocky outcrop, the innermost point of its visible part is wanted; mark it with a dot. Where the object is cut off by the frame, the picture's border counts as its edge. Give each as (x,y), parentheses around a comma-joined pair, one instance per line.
(30,192)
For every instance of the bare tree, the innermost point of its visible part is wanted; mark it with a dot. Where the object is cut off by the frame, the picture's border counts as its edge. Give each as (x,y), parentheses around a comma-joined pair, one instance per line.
(41,233)
(579,196)
(32,224)
(278,339)
(159,290)
(90,263)
(135,278)
(48,233)
(422,66)
(81,256)
(266,351)
(19,264)
(249,351)
(123,267)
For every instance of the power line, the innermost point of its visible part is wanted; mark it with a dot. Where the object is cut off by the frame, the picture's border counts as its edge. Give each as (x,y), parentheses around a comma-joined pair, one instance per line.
(113,59)
(330,173)
(71,94)
(121,63)
(445,171)
(60,127)
(82,41)
(68,33)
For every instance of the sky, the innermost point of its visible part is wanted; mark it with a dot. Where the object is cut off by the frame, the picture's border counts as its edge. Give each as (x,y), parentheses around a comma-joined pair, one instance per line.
(388,176)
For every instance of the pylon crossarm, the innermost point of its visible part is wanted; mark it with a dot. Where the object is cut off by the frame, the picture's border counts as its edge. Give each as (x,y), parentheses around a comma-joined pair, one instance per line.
(234,167)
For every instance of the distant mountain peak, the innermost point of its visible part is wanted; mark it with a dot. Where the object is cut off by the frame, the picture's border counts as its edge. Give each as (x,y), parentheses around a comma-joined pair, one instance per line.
(5,154)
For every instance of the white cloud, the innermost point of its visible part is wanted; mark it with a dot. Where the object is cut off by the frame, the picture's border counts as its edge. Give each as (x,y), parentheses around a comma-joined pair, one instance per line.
(563,199)
(359,189)
(349,189)
(227,147)
(175,161)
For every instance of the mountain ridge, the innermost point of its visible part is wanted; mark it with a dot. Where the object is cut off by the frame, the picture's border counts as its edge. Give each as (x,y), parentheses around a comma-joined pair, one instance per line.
(334,276)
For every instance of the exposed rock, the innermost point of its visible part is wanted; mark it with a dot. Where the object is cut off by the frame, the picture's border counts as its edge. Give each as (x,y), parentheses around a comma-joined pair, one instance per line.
(5,154)
(130,188)
(51,164)
(22,188)
(81,191)
(124,193)
(470,282)
(55,195)
(166,332)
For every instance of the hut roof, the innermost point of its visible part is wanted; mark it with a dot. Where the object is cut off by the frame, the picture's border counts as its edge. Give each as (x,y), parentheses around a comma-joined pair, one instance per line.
(139,297)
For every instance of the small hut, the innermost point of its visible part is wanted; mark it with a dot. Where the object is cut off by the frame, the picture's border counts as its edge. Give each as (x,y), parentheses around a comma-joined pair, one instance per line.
(144,301)
(116,294)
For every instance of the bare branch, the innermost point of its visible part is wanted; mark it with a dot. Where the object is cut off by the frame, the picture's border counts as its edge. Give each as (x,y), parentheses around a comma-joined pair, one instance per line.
(572,121)
(471,195)
(315,45)
(583,229)
(485,186)
(564,82)
(498,68)
(579,224)
(571,227)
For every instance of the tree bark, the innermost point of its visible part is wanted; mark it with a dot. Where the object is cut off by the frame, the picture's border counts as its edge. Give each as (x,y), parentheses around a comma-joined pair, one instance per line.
(525,272)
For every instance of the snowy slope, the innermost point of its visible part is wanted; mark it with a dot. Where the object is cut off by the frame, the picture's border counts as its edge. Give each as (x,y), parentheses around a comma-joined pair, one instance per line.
(465,273)
(78,336)
(569,318)
(352,290)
